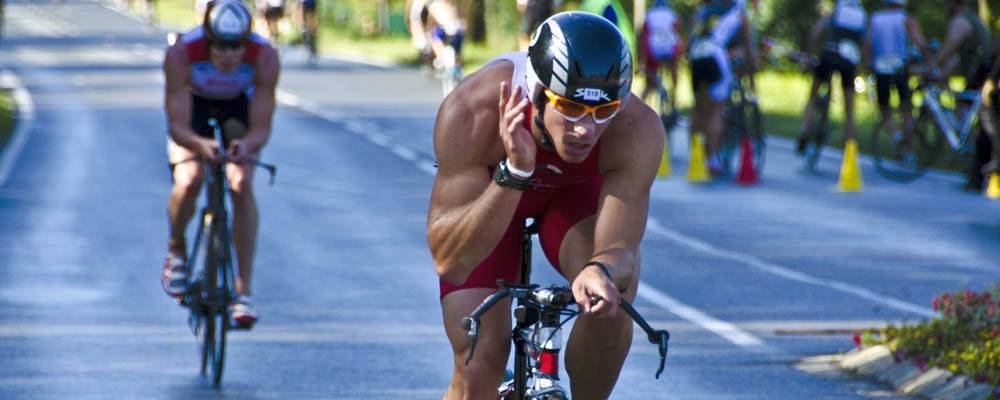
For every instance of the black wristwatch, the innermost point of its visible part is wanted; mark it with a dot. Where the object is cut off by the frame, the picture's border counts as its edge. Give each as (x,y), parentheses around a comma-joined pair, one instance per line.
(503,177)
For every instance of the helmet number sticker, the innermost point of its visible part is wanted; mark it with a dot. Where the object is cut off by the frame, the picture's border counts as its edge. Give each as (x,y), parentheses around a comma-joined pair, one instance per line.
(591,94)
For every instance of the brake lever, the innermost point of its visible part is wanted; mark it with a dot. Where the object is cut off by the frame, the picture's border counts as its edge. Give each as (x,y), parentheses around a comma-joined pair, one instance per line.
(471,325)
(664,347)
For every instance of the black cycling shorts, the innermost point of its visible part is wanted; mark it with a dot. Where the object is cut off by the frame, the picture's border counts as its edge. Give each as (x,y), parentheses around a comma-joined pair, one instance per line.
(884,84)
(830,62)
(222,110)
(274,12)
(704,71)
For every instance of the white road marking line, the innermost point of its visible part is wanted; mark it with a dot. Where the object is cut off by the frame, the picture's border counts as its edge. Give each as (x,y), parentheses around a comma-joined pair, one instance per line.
(427,167)
(655,227)
(404,152)
(25,120)
(722,328)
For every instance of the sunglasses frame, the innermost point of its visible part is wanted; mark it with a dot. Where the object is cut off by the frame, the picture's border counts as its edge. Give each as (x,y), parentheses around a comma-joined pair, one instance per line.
(227,46)
(592,110)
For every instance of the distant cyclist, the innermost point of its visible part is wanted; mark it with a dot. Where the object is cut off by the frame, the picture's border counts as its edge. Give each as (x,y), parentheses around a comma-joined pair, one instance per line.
(660,45)
(970,40)
(271,11)
(891,33)
(219,70)
(835,40)
(435,24)
(717,23)
(533,12)
(555,135)
(310,26)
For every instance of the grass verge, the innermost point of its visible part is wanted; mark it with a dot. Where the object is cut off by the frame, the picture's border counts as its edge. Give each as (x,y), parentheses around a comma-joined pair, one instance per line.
(7,109)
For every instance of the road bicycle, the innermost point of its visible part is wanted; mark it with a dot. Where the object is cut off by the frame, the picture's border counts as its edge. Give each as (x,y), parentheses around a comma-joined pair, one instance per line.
(938,130)
(743,121)
(211,289)
(537,334)
(817,132)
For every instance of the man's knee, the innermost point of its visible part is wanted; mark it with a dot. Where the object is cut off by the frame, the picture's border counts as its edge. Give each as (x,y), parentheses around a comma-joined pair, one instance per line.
(484,371)
(188,178)
(241,184)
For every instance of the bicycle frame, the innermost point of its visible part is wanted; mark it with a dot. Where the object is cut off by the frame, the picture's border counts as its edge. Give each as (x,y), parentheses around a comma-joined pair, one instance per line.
(212,289)
(537,334)
(944,120)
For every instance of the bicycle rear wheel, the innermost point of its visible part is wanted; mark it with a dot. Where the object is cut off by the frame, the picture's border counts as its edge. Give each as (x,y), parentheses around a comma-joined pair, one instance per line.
(894,162)
(818,135)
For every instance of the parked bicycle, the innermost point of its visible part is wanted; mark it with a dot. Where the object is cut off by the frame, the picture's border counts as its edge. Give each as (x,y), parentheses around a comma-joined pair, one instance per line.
(537,335)
(938,130)
(211,289)
(744,121)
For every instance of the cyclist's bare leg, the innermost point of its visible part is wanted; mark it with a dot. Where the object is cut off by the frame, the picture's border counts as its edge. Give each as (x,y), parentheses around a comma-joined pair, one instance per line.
(188,177)
(713,125)
(596,349)
(648,84)
(244,222)
(479,378)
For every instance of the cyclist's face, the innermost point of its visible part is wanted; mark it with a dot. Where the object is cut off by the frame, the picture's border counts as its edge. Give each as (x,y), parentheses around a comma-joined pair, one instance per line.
(573,140)
(226,58)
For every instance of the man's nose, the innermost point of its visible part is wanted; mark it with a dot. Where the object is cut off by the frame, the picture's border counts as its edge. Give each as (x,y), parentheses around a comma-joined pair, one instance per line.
(585,127)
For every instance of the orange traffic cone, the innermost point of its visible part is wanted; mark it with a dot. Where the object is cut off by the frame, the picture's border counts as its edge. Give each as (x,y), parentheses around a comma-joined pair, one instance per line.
(748,174)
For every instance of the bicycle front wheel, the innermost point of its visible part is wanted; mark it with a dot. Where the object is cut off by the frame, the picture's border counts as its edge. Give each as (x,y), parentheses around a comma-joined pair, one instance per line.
(903,157)
(218,309)
(818,135)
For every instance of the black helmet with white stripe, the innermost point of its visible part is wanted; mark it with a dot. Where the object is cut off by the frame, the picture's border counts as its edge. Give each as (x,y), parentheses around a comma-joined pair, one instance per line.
(227,22)
(579,56)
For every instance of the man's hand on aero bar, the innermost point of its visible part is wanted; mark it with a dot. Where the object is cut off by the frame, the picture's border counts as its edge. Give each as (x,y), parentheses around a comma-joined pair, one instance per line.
(595,293)
(239,152)
(207,149)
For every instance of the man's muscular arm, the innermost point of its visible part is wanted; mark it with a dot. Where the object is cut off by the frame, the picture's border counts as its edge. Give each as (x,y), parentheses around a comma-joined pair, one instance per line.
(469,213)
(177,101)
(262,103)
(630,157)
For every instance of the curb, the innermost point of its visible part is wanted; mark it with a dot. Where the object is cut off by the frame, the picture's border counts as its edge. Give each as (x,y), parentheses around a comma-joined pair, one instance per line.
(24,117)
(878,363)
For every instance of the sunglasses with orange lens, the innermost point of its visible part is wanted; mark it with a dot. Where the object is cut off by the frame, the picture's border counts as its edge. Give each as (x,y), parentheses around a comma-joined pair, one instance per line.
(573,111)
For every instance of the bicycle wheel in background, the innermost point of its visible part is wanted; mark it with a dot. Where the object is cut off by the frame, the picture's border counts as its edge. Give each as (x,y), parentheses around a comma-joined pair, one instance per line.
(894,162)
(819,133)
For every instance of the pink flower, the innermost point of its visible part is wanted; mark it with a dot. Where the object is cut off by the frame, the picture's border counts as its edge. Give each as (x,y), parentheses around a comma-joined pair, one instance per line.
(934,304)
(857,339)
(991,310)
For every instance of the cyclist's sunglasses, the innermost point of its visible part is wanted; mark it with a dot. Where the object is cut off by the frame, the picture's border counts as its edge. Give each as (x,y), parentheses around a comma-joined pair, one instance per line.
(573,111)
(227,45)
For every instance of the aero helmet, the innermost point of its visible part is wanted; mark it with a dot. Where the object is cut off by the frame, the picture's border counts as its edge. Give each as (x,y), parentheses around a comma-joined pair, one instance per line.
(227,21)
(579,56)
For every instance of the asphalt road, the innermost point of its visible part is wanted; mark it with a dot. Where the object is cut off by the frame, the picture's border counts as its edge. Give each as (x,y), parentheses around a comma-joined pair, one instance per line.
(748,279)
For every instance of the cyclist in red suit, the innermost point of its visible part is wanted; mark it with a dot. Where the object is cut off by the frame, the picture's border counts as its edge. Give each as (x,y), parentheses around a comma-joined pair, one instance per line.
(219,70)
(554,135)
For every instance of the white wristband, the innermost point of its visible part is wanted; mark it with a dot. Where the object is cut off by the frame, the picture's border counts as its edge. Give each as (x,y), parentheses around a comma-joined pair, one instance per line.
(516,172)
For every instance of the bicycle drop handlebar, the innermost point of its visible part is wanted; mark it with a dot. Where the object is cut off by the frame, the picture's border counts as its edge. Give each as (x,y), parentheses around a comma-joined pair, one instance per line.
(559,297)
(272,170)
